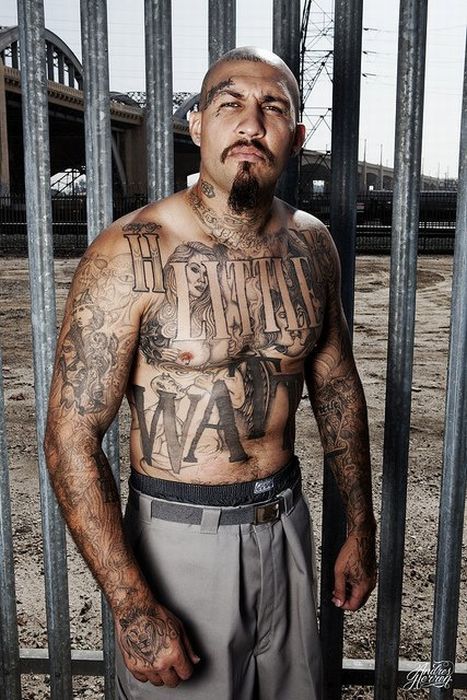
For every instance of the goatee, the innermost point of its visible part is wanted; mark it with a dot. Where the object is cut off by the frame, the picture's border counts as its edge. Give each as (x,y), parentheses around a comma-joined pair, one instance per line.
(245,192)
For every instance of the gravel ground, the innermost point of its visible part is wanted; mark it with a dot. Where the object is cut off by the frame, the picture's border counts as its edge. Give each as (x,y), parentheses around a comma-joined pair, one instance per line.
(431,343)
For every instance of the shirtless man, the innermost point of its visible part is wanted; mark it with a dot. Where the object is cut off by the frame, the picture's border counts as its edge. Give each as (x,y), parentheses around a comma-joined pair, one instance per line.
(210,309)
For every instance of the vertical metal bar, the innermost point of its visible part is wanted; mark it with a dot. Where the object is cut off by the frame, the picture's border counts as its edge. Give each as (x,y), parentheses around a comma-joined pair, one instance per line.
(286,44)
(453,488)
(286,33)
(98,147)
(9,651)
(407,162)
(97,129)
(159,98)
(344,147)
(222,28)
(344,187)
(39,224)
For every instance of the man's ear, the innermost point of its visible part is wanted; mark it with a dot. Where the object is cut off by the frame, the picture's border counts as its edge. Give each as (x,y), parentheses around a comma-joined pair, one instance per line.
(195,119)
(299,139)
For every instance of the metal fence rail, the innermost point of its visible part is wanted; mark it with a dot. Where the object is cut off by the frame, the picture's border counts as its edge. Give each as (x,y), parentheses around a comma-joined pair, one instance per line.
(159,91)
(409,118)
(98,146)
(344,184)
(39,220)
(351,220)
(453,490)
(9,655)
(437,217)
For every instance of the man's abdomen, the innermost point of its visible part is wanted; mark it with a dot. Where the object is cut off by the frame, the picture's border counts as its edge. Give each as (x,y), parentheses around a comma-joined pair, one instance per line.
(225,424)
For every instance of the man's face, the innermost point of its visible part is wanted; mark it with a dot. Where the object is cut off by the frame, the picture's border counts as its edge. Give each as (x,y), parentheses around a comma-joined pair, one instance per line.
(247,125)
(82,315)
(196,276)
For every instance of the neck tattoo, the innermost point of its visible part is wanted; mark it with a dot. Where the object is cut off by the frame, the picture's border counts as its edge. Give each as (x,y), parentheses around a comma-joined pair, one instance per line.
(239,233)
(207,189)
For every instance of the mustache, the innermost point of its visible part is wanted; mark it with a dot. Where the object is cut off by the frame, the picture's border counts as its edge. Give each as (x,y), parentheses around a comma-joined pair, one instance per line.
(255,144)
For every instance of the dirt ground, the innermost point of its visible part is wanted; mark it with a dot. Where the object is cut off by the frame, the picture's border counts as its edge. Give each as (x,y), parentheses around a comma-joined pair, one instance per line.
(372,292)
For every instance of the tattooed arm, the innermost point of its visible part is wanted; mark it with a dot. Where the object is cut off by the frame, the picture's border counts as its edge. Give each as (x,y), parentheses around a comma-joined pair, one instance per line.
(339,405)
(94,355)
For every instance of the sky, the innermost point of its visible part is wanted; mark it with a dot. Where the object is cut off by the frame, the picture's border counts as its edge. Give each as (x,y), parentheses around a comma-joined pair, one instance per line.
(447,20)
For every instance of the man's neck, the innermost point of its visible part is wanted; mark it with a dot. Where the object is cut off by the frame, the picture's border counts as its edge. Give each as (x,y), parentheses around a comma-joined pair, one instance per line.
(238,231)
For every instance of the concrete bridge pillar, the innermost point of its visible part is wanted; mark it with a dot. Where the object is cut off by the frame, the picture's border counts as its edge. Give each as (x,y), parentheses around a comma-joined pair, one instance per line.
(4,154)
(134,158)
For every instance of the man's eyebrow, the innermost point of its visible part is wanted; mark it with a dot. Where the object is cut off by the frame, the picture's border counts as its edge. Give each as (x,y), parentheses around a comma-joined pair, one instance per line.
(276,98)
(215,89)
(233,93)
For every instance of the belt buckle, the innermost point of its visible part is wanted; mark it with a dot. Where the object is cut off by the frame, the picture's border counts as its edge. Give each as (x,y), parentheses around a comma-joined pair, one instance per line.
(267,513)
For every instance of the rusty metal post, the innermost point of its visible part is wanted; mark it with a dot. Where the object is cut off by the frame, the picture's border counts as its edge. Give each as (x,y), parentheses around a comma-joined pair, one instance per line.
(222,27)
(453,489)
(98,146)
(98,142)
(405,216)
(39,224)
(9,652)
(159,98)
(344,184)
(286,44)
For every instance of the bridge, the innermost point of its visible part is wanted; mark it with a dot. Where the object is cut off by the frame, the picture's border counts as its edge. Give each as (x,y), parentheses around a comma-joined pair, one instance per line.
(66,122)
(66,126)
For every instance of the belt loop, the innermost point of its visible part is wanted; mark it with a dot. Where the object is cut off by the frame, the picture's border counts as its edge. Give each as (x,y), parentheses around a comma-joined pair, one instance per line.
(144,507)
(210,521)
(287,495)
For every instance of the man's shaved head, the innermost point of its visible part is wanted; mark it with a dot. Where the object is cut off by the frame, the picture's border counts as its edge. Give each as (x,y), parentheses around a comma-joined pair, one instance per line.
(255,55)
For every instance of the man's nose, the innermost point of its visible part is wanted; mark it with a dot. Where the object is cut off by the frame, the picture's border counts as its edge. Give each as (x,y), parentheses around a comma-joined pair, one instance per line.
(251,122)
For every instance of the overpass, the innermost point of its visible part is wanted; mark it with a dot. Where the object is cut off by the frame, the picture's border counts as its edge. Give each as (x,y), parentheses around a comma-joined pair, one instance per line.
(315,170)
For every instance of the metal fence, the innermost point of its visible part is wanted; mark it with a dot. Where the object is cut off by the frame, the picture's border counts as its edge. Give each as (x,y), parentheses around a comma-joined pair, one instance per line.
(69,222)
(437,216)
(387,671)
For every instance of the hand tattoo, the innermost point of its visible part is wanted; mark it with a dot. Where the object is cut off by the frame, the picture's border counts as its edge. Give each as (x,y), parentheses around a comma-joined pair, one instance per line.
(146,634)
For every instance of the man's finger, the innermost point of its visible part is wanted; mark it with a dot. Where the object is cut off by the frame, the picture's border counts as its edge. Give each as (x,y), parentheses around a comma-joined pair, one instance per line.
(170,678)
(338,594)
(183,667)
(139,676)
(157,681)
(194,657)
(358,597)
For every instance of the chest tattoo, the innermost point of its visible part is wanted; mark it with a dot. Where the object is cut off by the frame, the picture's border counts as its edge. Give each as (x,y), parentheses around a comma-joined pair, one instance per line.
(238,323)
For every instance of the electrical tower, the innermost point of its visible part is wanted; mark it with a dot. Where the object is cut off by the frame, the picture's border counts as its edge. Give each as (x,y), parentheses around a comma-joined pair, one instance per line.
(316,60)
(316,54)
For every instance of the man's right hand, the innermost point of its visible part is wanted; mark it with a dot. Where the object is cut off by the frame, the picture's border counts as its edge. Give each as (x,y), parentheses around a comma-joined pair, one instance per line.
(155,646)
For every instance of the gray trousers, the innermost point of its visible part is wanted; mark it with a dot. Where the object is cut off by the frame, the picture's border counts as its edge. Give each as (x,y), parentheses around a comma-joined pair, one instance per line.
(246,595)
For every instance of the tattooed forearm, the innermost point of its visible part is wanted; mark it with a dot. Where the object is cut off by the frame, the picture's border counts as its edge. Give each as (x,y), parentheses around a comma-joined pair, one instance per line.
(107,485)
(88,497)
(341,415)
(94,355)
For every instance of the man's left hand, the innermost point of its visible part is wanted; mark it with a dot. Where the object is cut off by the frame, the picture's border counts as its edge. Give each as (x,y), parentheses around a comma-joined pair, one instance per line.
(355,571)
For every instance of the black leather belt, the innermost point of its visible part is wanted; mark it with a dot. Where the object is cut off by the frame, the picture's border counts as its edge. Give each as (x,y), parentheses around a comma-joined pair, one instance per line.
(254,513)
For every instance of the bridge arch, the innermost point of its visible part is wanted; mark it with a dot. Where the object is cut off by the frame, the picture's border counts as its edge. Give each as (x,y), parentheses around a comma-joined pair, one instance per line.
(62,64)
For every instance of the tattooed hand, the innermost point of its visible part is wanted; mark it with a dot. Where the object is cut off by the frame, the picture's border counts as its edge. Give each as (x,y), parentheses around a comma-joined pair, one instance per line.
(155,646)
(355,571)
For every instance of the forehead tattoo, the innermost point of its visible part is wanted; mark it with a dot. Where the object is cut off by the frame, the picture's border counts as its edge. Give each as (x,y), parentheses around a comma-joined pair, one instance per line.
(224,85)
(212,92)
